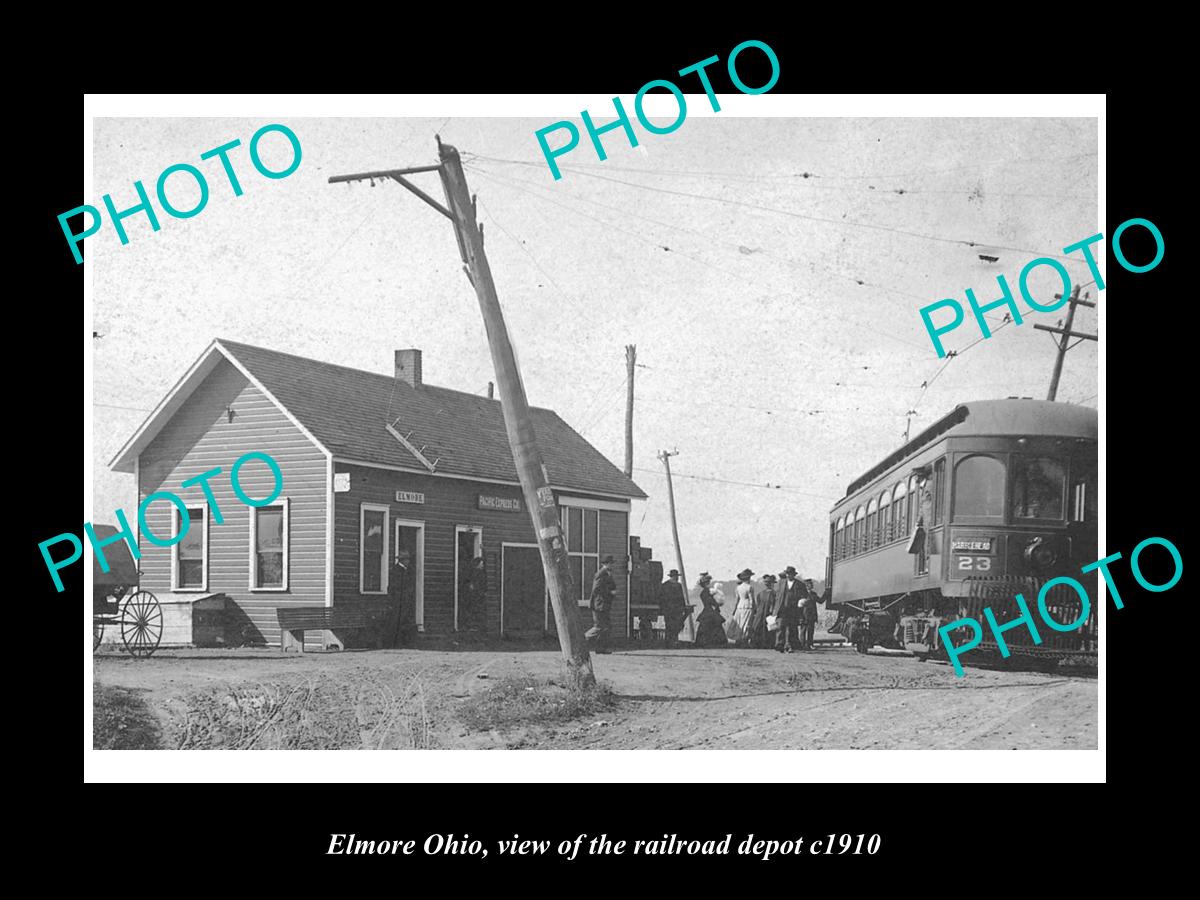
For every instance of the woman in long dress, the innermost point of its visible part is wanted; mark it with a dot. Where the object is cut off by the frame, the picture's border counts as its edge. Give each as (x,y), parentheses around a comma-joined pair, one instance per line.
(738,628)
(709,632)
(764,602)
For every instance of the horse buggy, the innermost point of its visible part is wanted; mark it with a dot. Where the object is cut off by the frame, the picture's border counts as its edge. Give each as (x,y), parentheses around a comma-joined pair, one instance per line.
(119,608)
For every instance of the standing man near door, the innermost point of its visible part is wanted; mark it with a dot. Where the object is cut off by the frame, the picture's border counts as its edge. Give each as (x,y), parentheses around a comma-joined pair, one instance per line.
(477,595)
(604,589)
(399,582)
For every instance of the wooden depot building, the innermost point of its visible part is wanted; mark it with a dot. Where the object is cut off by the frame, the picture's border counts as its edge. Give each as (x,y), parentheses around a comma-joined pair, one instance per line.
(375,467)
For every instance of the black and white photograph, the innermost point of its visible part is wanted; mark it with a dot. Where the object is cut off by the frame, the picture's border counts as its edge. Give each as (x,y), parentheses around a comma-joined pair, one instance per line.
(761,434)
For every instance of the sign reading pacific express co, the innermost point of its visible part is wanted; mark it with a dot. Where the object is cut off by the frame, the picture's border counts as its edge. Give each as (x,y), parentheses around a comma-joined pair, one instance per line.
(410,497)
(504,504)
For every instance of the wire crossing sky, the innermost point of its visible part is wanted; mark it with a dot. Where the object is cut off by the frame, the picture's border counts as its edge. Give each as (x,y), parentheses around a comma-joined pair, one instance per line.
(769,270)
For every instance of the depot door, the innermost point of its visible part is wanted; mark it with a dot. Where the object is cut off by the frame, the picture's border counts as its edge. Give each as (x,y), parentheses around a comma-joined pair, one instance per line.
(408,550)
(523,597)
(468,545)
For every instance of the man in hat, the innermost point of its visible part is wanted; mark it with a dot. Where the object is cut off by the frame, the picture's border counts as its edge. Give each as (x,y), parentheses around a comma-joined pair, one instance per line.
(400,595)
(476,595)
(673,606)
(604,588)
(791,592)
(808,615)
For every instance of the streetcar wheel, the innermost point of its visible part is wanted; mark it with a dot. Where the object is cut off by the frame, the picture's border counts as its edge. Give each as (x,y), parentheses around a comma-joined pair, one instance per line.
(97,635)
(141,624)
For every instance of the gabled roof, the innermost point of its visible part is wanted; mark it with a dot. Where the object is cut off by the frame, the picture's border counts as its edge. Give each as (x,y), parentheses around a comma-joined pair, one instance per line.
(346,412)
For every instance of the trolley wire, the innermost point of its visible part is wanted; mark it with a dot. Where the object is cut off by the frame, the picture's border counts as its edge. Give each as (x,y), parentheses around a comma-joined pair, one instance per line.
(754,484)
(742,278)
(879,176)
(805,216)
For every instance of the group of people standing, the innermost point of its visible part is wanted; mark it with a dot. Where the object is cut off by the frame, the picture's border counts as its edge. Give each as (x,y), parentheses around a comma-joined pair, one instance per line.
(783,617)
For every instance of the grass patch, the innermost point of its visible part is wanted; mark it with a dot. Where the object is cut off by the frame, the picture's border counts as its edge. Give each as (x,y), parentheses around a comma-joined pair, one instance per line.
(359,711)
(121,720)
(523,701)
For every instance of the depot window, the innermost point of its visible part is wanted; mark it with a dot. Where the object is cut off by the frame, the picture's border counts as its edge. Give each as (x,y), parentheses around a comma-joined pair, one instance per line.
(582,531)
(373,543)
(191,553)
(269,545)
(1038,484)
(979,488)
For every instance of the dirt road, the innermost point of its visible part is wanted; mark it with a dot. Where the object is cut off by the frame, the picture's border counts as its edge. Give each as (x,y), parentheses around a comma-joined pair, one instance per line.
(831,698)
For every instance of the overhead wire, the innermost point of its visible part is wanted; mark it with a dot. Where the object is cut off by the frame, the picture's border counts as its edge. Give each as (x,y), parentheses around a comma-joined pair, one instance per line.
(807,179)
(806,175)
(510,182)
(521,244)
(742,250)
(769,485)
(805,216)
(116,406)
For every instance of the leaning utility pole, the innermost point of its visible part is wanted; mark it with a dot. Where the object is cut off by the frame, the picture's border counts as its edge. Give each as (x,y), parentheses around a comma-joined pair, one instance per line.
(543,509)
(1067,334)
(665,456)
(630,362)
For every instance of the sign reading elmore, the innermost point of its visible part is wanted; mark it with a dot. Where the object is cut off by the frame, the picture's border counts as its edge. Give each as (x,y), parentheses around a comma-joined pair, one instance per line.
(410,497)
(506,504)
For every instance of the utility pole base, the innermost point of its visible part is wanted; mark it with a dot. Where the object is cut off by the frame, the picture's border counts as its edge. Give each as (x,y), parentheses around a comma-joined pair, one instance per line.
(580,676)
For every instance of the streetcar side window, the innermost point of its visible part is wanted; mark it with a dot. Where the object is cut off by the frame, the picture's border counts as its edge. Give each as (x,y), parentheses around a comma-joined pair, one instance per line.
(939,490)
(899,509)
(885,517)
(1038,484)
(979,488)
(859,522)
(838,534)
(872,525)
(914,501)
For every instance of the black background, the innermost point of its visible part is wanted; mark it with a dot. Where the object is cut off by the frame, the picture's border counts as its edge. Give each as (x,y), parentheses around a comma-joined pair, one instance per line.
(932,827)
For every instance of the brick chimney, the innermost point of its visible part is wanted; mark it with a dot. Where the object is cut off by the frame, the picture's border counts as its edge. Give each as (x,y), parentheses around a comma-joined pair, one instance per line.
(408,366)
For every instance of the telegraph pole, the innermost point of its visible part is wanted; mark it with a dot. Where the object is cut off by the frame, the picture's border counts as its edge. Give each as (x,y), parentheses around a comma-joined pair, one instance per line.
(630,363)
(1067,334)
(665,456)
(539,498)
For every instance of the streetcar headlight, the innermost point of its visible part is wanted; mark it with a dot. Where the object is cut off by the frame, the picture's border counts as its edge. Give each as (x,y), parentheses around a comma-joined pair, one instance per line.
(1040,555)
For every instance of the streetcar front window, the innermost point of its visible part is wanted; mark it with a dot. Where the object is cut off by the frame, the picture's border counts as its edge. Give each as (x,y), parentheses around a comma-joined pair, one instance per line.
(979,488)
(1037,488)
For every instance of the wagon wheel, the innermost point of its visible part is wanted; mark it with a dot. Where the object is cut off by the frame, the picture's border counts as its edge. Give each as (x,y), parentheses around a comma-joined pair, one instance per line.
(141,624)
(97,634)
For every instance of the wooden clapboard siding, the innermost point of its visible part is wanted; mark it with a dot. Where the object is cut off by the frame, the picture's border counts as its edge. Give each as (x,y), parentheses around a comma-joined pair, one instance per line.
(448,503)
(200,437)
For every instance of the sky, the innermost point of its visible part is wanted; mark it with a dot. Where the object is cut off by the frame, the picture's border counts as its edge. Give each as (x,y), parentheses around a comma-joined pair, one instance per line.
(770,272)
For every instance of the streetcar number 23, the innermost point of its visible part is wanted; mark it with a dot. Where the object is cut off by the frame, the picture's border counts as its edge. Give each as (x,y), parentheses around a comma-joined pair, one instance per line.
(974,563)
